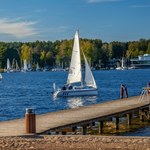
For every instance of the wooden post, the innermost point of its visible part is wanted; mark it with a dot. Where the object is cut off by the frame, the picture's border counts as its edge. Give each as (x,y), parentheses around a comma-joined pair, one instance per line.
(93,123)
(117,123)
(74,129)
(129,118)
(84,130)
(57,132)
(63,132)
(141,115)
(101,127)
(30,118)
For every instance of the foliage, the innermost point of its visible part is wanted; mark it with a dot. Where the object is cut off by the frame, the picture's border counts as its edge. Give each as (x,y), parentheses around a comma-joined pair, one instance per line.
(59,52)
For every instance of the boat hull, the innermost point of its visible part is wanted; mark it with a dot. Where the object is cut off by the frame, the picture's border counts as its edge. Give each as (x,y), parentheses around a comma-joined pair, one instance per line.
(77,92)
(141,66)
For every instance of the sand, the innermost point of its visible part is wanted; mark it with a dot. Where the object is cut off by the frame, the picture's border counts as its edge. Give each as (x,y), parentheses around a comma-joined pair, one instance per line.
(74,142)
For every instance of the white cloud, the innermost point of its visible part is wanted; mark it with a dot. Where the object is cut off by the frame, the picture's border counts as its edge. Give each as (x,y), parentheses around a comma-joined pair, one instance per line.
(140,6)
(17,28)
(101,1)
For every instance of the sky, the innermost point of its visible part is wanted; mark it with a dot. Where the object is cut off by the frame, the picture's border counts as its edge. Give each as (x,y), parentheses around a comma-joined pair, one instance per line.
(51,20)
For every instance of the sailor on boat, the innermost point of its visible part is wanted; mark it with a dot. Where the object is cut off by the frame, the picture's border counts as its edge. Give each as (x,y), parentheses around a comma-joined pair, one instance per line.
(75,85)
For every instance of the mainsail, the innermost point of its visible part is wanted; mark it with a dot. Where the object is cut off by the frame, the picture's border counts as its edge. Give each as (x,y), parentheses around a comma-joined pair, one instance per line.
(75,74)
(89,79)
(8,65)
(25,65)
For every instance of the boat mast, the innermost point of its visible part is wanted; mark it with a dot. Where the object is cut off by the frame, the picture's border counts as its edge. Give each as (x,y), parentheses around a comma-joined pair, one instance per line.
(82,82)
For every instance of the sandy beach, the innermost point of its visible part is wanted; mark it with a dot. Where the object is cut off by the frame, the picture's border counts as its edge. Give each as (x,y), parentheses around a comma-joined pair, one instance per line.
(77,142)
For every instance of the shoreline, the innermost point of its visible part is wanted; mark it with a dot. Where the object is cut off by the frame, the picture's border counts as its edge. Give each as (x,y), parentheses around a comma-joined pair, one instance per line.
(75,142)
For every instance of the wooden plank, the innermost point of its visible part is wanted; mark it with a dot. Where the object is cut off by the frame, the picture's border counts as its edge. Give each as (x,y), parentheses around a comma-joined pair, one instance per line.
(73,117)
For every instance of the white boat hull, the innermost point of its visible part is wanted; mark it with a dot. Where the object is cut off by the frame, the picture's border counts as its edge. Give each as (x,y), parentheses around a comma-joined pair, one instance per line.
(76,92)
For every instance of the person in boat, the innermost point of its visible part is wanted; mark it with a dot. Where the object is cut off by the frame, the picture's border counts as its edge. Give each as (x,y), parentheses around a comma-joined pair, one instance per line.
(70,87)
(64,87)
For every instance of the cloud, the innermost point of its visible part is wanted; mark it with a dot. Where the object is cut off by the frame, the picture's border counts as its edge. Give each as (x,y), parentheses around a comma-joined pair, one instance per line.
(140,6)
(101,1)
(17,28)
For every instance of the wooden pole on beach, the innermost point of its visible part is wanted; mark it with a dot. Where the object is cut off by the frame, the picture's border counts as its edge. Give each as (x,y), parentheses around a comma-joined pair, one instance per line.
(30,119)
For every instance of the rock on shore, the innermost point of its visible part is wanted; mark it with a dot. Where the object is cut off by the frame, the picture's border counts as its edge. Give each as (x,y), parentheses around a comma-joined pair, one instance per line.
(77,142)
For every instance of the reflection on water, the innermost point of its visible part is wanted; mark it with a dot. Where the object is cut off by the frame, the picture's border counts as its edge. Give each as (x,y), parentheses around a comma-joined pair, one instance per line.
(75,102)
(141,132)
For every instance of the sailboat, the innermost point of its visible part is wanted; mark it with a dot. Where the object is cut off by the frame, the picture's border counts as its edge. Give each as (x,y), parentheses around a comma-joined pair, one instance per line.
(123,64)
(1,77)
(75,85)
(17,67)
(122,67)
(25,67)
(8,69)
(37,67)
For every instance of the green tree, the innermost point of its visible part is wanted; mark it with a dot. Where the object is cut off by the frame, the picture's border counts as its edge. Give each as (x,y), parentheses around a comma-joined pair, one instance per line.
(3,49)
(148,48)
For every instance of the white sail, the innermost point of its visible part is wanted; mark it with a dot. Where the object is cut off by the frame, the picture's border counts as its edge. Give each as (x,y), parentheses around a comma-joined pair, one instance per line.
(75,74)
(25,65)
(89,79)
(37,67)
(8,64)
(122,62)
(1,76)
(17,67)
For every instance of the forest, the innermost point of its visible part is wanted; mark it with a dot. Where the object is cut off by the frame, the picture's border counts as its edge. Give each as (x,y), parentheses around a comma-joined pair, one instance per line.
(51,54)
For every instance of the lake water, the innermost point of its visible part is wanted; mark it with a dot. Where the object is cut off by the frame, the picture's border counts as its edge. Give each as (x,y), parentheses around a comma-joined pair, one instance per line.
(19,91)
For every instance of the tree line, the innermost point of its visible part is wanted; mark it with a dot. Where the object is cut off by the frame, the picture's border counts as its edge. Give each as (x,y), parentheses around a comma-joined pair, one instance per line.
(48,53)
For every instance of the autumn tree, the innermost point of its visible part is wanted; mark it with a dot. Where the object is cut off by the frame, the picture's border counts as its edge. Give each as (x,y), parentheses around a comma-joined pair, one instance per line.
(26,53)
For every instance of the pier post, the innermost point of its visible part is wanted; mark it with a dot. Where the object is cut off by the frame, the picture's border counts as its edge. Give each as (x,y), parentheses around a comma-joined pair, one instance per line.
(30,118)
(93,123)
(84,129)
(117,123)
(74,129)
(141,115)
(63,133)
(101,127)
(56,132)
(129,118)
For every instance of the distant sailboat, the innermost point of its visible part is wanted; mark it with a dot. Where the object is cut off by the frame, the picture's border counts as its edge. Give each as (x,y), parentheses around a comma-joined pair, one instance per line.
(75,86)
(25,67)
(17,67)
(123,66)
(8,70)
(58,68)
(1,77)
(37,67)
(29,66)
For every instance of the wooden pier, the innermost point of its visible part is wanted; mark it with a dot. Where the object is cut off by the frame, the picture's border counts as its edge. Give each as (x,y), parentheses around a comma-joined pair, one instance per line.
(83,116)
